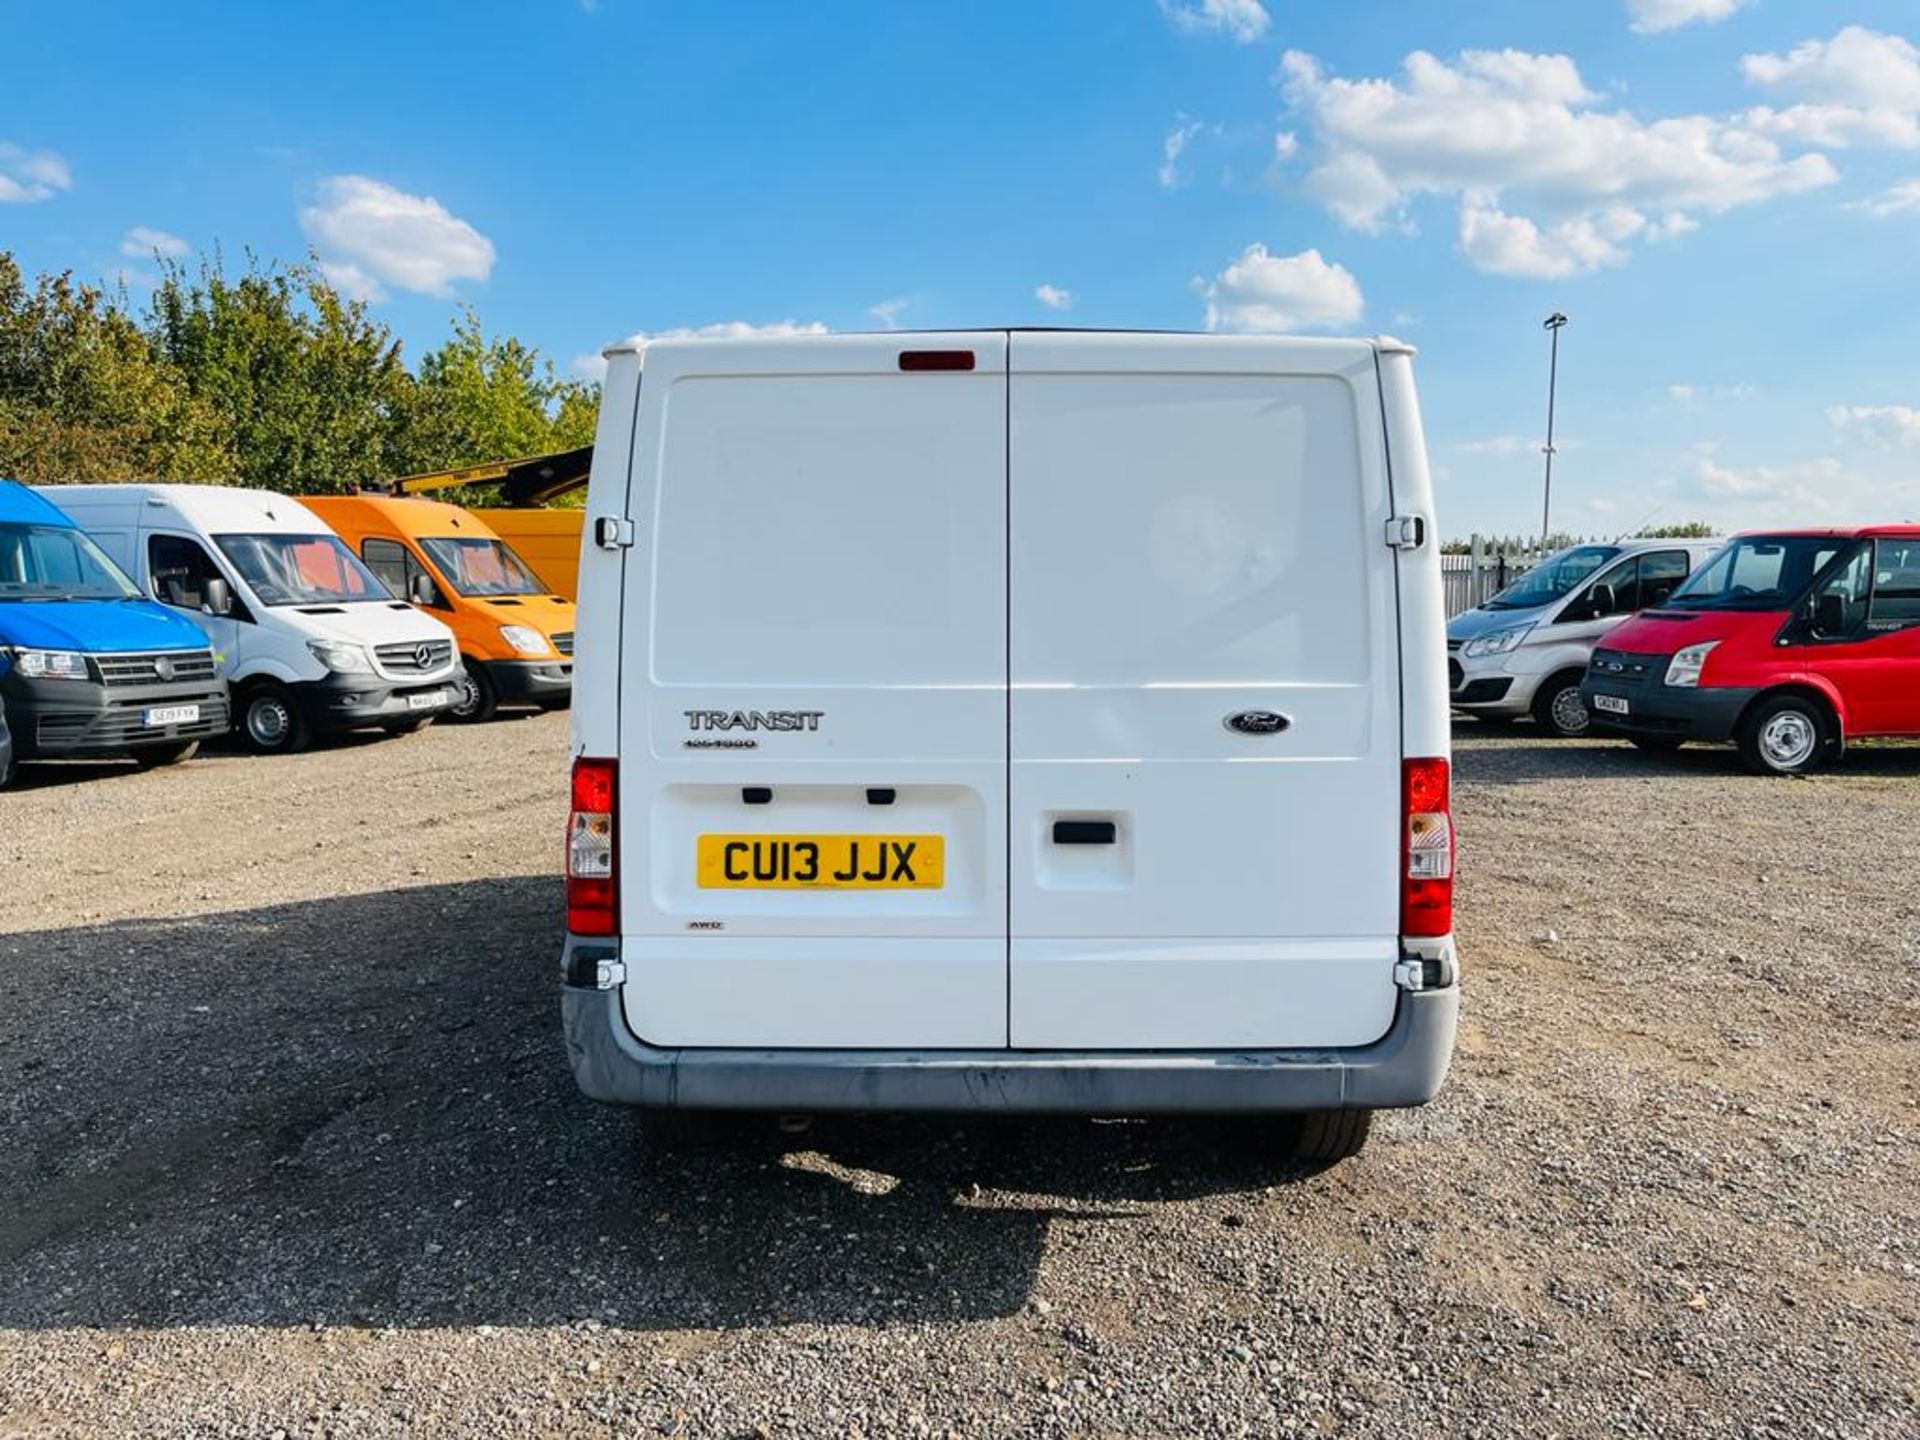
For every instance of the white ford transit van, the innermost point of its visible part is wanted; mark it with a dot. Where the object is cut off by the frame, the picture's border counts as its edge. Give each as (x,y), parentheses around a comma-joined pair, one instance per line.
(310,640)
(1013,721)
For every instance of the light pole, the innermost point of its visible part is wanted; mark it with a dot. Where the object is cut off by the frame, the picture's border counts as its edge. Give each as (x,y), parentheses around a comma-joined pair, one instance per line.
(1554,324)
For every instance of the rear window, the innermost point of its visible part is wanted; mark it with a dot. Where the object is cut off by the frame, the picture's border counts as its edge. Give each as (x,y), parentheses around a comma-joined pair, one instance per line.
(831,530)
(1188,529)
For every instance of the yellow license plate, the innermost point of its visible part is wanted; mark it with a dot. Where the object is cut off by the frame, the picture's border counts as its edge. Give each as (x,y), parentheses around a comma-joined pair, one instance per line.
(822,862)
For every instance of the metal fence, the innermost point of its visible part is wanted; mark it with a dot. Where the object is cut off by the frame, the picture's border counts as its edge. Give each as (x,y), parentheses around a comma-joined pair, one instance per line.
(1487,568)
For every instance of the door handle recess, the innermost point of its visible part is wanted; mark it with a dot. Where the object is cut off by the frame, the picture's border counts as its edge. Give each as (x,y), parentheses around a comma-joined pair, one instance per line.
(1084,832)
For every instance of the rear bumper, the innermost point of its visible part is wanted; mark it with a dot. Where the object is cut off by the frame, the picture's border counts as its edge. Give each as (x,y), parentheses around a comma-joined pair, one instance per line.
(528,682)
(55,718)
(1707,712)
(1404,1067)
(348,702)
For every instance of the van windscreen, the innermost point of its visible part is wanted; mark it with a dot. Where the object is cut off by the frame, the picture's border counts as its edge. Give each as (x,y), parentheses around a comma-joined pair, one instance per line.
(301,569)
(1758,572)
(481,567)
(53,562)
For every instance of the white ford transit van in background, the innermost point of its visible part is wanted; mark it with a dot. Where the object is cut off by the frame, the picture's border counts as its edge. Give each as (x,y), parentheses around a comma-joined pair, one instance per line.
(1011,721)
(309,639)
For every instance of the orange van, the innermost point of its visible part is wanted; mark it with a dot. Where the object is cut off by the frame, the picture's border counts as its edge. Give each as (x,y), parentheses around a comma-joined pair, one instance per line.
(515,634)
(548,540)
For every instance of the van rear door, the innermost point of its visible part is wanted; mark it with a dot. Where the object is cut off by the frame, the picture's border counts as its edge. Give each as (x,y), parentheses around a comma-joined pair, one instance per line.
(818,584)
(1205,706)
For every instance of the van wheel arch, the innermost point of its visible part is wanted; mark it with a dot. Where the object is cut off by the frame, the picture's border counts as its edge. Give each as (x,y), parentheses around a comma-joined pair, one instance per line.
(1747,733)
(1553,717)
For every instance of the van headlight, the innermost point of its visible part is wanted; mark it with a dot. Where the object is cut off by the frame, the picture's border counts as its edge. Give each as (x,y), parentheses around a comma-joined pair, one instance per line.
(1499,642)
(340,657)
(525,639)
(1685,667)
(51,664)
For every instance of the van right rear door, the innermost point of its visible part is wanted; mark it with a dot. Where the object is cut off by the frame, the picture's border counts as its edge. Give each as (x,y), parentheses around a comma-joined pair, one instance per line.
(1205,695)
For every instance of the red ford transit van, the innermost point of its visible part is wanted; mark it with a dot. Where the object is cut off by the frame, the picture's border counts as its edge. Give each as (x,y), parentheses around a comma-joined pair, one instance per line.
(1788,643)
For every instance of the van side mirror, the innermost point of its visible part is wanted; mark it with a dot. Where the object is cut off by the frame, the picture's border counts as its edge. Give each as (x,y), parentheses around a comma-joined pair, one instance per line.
(219,597)
(421,589)
(1830,614)
(1600,601)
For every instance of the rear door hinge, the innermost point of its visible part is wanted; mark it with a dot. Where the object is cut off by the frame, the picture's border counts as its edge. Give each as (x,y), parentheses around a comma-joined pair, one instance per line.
(1407,532)
(612,532)
(609,974)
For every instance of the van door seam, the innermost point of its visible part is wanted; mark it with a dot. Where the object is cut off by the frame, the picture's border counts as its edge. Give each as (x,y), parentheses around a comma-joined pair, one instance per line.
(1006,543)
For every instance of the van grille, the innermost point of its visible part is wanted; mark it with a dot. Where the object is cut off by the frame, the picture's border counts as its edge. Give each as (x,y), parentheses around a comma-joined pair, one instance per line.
(157,668)
(563,642)
(122,726)
(414,657)
(1621,669)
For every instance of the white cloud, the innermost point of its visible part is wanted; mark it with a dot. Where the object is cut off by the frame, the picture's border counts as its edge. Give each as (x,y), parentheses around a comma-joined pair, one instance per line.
(143,242)
(1262,292)
(1549,182)
(1244,20)
(1901,199)
(1650,16)
(592,365)
(1053,297)
(1173,147)
(370,236)
(1688,395)
(1499,445)
(888,312)
(1806,487)
(29,176)
(1877,424)
(1859,88)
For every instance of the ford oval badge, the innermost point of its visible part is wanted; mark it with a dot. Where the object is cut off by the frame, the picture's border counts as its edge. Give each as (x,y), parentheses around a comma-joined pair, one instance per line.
(1257,722)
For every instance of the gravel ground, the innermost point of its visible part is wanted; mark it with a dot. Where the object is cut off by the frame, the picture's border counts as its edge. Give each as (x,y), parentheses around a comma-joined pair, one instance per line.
(289,1147)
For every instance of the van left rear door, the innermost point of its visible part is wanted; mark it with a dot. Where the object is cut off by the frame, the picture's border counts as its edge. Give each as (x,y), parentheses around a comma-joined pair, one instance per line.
(813,711)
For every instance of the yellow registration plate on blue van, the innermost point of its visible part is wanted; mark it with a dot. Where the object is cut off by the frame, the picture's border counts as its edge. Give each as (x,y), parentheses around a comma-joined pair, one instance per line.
(822,862)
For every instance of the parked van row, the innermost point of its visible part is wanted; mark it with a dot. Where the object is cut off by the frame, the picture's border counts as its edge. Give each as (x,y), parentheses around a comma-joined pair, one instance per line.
(1788,644)
(203,609)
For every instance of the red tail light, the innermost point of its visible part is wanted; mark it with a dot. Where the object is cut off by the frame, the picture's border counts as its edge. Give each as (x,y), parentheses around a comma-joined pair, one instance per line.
(1426,885)
(592,871)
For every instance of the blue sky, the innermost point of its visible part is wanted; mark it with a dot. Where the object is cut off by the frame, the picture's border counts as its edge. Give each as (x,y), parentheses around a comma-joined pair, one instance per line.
(1724,195)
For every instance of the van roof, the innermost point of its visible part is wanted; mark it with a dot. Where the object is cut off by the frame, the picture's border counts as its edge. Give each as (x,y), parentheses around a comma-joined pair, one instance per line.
(408,514)
(24,506)
(1333,346)
(215,509)
(1901,531)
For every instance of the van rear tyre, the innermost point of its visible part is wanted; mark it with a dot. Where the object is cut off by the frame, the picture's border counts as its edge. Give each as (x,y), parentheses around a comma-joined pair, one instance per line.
(1323,1137)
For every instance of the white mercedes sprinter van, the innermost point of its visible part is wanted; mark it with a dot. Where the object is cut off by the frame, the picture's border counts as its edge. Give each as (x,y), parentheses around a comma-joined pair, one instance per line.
(1012,721)
(310,640)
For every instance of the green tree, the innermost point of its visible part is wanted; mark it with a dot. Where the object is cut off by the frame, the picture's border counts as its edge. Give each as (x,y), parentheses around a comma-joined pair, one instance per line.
(1684,530)
(308,388)
(83,397)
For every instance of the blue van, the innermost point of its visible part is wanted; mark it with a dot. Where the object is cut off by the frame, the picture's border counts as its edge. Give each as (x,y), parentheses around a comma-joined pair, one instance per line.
(88,666)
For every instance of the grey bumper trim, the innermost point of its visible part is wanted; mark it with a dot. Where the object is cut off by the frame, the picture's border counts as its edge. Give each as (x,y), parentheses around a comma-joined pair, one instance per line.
(1404,1067)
